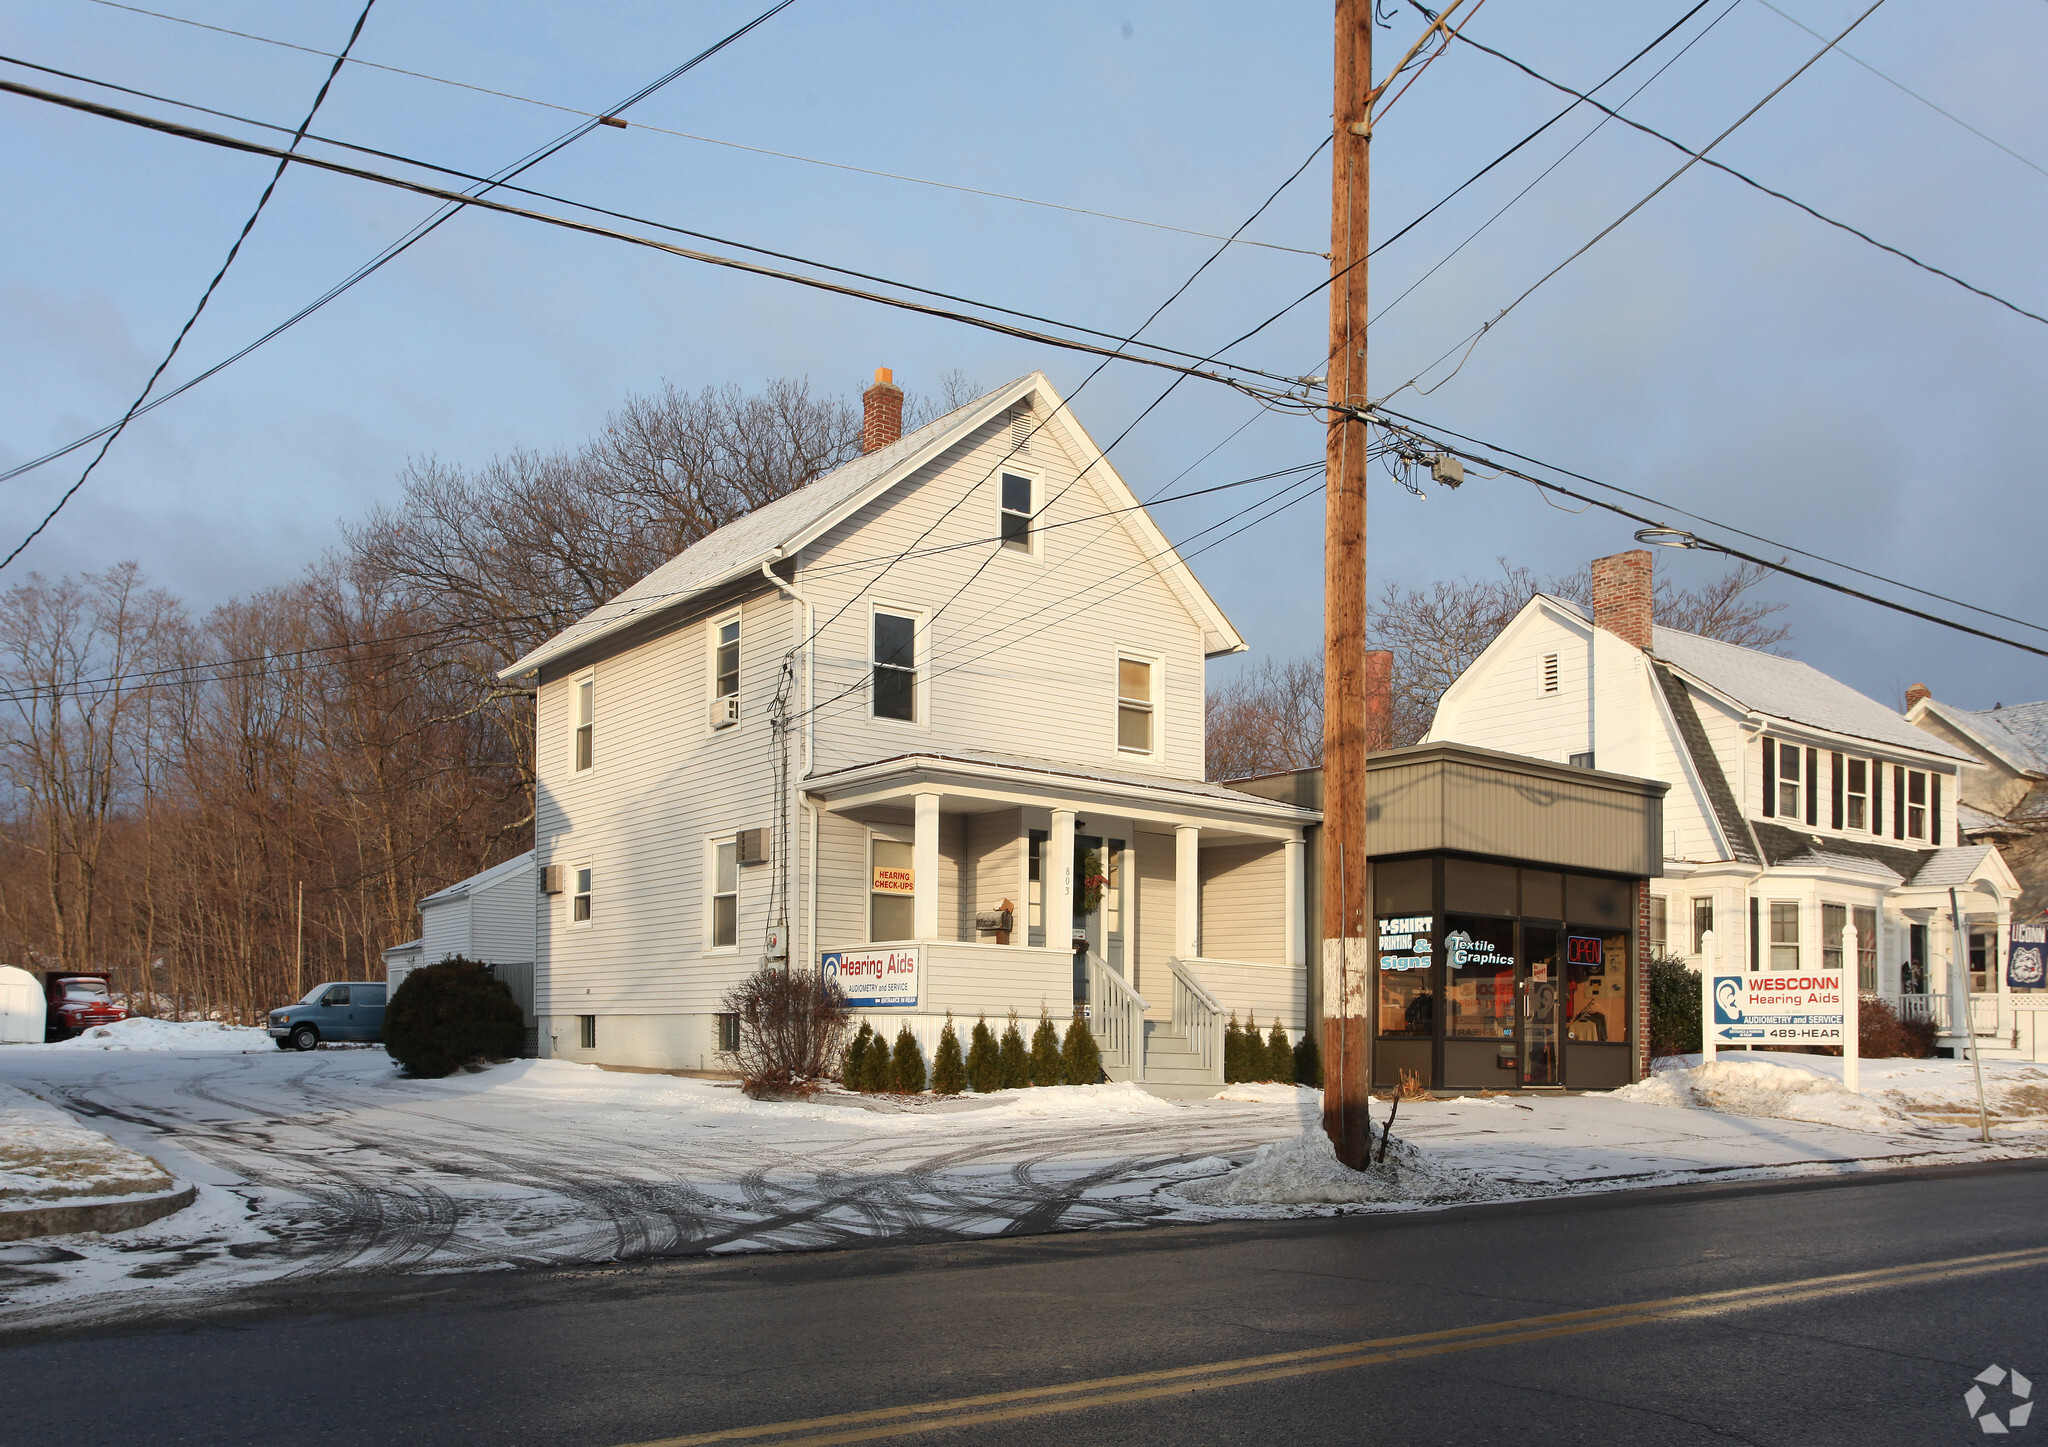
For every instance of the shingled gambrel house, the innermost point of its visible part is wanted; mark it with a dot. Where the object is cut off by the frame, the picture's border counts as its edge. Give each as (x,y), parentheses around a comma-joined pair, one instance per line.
(2005,798)
(1805,820)
(933,722)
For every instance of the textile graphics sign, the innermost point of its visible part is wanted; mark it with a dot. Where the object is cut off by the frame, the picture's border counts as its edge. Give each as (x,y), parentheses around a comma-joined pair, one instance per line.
(1752,1011)
(874,979)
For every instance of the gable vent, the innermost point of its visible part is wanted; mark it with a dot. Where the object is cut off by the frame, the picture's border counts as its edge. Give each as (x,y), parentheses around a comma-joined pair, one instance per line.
(1020,427)
(1550,673)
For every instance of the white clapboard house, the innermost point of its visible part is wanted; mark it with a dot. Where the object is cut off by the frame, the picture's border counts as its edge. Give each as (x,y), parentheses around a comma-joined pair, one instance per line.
(1805,821)
(933,723)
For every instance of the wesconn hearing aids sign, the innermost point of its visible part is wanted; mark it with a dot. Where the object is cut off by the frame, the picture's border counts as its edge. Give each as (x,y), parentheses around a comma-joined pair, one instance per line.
(1758,1011)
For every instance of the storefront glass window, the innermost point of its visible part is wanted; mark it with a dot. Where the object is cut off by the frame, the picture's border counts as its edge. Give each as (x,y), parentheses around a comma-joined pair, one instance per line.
(1596,985)
(1407,955)
(1479,959)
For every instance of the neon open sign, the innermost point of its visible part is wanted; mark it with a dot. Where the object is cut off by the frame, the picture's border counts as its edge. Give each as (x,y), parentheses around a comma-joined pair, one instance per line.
(1584,950)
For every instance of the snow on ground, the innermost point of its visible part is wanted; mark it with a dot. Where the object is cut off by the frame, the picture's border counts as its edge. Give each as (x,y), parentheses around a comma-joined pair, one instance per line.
(1892,1092)
(139,1032)
(47,1158)
(332,1163)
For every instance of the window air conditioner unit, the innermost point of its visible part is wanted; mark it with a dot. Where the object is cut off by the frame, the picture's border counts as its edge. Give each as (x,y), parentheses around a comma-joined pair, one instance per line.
(725,711)
(753,846)
(551,878)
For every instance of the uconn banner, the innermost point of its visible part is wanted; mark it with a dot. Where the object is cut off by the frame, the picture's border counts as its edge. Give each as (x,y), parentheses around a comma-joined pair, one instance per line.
(2026,968)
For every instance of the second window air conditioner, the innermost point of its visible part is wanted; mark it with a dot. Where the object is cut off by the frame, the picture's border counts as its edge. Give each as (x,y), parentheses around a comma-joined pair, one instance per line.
(725,711)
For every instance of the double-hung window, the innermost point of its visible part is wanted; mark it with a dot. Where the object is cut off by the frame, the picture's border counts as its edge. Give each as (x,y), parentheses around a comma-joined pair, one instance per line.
(1788,781)
(1857,802)
(1865,917)
(892,890)
(1660,923)
(1834,920)
(1016,512)
(1702,921)
(1916,804)
(1136,712)
(1784,936)
(725,894)
(725,659)
(586,723)
(579,898)
(895,666)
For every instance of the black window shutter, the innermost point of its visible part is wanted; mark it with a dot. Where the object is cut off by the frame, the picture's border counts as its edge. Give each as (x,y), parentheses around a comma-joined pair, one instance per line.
(1838,792)
(1934,803)
(1898,802)
(1812,786)
(1770,779)
(1876,797)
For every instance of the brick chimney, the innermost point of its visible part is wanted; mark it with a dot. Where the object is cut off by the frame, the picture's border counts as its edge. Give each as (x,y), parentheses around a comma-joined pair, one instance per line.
(1917,692)
(1379,699)
(881,412)
(1622,585)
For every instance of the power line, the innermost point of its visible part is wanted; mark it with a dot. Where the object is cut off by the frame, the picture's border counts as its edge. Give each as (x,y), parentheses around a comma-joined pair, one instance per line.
(628,216)
(283,160)
(1715,522)
(1711,545)
(1757,185)
(1692,159)
(715,141)
(419,232)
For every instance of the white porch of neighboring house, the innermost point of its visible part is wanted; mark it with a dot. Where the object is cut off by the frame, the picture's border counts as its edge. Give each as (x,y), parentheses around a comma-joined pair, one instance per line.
(1182,903)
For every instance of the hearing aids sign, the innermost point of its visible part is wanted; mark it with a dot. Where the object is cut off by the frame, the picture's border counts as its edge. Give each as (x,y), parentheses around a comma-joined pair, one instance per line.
(875,979)
(1752,1011)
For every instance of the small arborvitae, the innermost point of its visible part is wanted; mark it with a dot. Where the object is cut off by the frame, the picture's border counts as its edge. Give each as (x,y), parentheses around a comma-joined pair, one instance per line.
(949,1071)
(906,1067)
(1279,1056)
(1233,1052)
(1080,1056)
(853,1064)
(1308,1060)
(984,1067)
(1013,1061)
(877,1075)
(1046,1066)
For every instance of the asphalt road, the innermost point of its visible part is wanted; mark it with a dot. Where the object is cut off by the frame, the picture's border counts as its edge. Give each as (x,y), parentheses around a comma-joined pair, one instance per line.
(1688,1315)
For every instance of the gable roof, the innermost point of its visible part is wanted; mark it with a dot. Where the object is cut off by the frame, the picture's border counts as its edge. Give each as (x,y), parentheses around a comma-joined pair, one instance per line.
(1781,688)
(1706,764)
(776,530)
(496,874)
(2016,736)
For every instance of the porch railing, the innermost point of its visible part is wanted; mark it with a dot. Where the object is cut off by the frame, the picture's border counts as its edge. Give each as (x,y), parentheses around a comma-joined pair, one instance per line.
(1935,1010)
(1118,1017)
(1198,1015)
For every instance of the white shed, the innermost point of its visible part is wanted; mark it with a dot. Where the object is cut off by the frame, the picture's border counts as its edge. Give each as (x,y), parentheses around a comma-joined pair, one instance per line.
(21,1007)
(491,918)
(400,961)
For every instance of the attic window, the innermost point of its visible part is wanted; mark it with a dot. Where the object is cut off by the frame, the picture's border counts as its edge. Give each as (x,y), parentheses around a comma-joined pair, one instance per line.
(1550,673)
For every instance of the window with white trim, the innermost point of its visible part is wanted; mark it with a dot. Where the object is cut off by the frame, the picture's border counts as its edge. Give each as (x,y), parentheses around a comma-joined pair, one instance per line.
(583,749)
(1660,923)
(1856,801)
(722,906)
(1016,512)
(892,881)
(895,666)
(725,657)
(579,898)
(1702,921)
(1137,715)
(1916,804)
(1788,782)
(1784,936)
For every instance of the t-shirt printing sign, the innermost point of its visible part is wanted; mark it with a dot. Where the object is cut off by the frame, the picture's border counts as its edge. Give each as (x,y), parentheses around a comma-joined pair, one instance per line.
(877,978)
(1405,941)
(2026,968)
(1746,1011)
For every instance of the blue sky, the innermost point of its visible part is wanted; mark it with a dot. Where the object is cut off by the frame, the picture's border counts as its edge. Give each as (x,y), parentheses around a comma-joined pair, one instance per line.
(1720,349)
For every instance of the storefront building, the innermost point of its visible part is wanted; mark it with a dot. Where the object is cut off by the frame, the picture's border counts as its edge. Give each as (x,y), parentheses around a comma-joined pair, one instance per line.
(1511,898)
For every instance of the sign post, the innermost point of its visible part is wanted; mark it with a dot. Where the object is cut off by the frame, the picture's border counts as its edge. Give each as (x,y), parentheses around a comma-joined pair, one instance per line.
(1710,957)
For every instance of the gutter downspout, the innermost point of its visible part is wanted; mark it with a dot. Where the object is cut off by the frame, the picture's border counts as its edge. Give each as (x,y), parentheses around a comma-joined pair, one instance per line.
(798,806)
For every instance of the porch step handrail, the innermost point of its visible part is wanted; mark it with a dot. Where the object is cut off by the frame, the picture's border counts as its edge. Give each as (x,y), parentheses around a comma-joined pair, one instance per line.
(1198,1015)
(1119,1015)
(1936,1010)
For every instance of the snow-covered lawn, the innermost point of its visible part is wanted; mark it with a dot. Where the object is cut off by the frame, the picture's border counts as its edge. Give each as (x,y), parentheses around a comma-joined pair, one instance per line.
(49,1159)
(332,1163)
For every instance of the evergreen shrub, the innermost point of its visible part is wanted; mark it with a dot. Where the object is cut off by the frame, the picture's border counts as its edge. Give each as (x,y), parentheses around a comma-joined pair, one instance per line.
(1308,1059)
(1013,1061)
(877,1070)
(1081,1057)
(1233,1052)
(853,1065)
(1047,1068)
(906,1067)
(984,1067)
(443,1017)
(949,1071)
(1279,1056)
(1674,1006)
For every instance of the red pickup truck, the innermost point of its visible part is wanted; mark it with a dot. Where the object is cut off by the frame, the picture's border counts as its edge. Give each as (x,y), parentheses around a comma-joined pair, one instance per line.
(75,1001)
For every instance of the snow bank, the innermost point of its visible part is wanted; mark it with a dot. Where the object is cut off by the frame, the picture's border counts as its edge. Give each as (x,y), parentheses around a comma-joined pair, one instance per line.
(1758,1088)
(1269,1093)
(1305,1171)
(1118,1097)
(142,1033)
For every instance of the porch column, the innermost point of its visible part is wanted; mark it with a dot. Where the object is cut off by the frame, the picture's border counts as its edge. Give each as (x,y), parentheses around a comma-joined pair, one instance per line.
(1297,922)
(1059,882)
(924,861)
(1187,891)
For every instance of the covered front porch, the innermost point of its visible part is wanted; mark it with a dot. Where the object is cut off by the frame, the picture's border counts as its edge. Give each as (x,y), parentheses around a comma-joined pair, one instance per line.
(1161,906)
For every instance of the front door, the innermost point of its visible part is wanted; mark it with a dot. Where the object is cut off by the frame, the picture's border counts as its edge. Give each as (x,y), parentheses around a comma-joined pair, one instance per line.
(1540,987)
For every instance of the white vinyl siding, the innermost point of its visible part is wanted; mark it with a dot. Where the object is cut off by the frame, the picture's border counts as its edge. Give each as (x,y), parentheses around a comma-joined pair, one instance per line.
(1240,882)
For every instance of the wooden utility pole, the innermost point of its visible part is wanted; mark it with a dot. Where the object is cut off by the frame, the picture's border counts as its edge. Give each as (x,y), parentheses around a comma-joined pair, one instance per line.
(1346,918)
(299,948)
